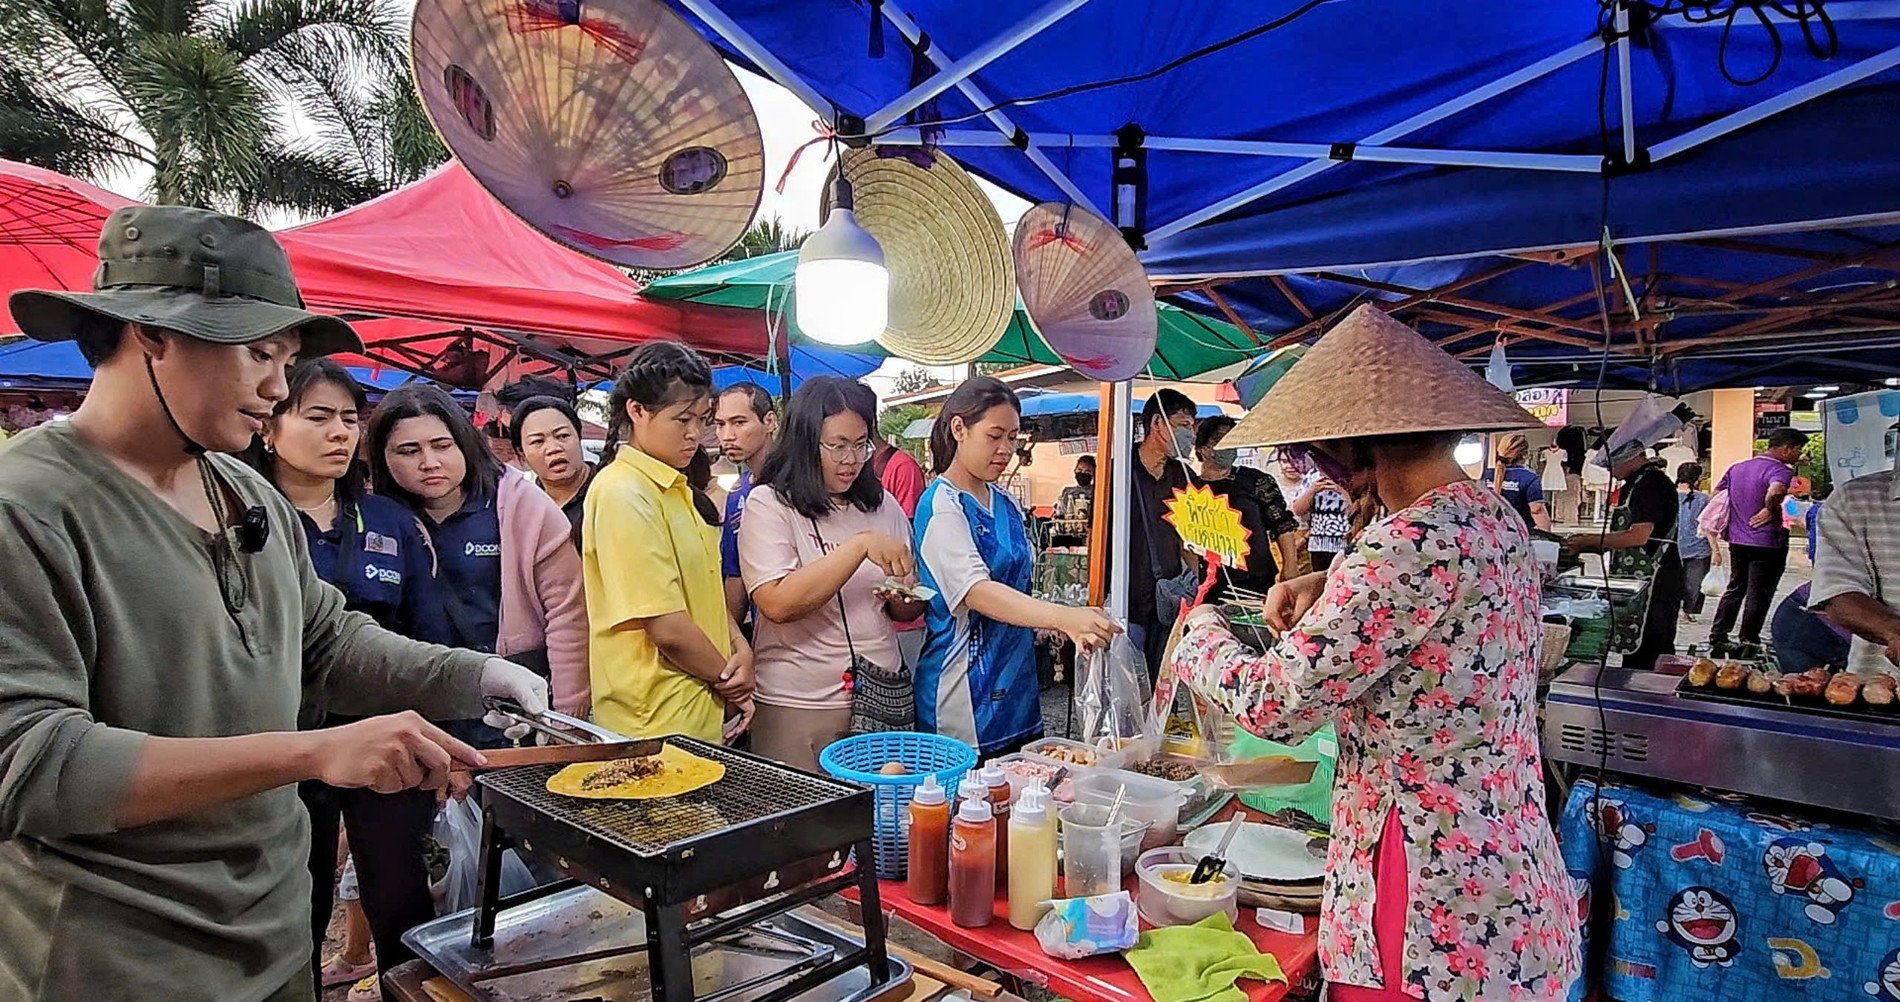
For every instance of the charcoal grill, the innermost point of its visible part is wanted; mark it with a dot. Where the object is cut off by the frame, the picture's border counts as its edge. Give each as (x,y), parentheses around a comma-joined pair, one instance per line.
(710,865)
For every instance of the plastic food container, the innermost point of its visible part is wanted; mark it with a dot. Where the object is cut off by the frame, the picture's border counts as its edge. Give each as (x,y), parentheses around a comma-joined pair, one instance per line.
(1023,769)
(1156,801)
(1074,754)
(1166,897)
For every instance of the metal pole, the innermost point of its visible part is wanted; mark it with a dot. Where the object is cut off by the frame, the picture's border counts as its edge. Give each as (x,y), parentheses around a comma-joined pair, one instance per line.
(1121,429)
(985,54)
(1623,81)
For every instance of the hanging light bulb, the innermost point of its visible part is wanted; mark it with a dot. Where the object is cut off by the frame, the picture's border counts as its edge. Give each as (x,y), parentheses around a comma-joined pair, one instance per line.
(1497,371)
(841,288)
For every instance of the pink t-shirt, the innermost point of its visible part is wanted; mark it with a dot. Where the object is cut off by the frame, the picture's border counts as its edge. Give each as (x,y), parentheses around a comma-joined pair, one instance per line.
(801,664)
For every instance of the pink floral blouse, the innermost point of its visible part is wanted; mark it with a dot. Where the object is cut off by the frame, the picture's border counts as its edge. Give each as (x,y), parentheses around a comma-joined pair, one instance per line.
(1423,648)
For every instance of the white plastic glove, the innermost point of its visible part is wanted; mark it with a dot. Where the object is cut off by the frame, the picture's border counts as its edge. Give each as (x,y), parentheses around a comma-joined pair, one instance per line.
(503,679)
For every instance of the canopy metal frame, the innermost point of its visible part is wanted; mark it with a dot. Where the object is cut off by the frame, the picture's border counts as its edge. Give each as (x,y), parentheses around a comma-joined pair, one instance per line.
(1850,297)
(1314,158)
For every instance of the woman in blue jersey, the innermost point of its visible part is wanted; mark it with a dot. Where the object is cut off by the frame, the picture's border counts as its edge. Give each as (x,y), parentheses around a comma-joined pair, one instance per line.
(976,681)
(374,552)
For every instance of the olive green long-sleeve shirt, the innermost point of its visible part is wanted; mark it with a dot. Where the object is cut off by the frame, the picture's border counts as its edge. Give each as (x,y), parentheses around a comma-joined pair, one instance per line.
(114,626)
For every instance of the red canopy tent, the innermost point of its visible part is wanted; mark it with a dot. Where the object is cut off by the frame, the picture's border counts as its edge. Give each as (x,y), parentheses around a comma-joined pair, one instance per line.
(440,278)
(437,277)
(49,231)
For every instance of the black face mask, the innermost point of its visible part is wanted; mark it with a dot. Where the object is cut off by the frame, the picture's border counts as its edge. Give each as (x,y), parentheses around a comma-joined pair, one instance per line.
(1085,479)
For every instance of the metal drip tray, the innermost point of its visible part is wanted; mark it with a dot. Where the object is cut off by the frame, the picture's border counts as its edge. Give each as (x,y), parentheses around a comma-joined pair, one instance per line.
(581,944)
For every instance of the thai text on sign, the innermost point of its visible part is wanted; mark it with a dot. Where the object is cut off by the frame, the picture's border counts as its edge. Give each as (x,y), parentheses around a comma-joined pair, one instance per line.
(1549,405)
(1207,523)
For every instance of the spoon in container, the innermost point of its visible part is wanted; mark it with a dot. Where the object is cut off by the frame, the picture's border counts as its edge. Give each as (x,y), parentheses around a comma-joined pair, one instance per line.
(1215,863)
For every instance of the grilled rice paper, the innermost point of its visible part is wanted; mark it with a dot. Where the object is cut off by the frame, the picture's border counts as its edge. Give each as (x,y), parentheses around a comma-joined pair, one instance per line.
(671,773)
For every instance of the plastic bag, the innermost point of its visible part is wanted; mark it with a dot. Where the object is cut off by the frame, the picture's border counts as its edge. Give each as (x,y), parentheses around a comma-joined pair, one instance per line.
(1111,696)
(1713,522)
(1086,927)
(1715,582)
(458,828)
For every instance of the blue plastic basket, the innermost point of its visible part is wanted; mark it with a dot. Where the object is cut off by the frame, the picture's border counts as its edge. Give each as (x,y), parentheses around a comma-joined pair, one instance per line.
(857,759)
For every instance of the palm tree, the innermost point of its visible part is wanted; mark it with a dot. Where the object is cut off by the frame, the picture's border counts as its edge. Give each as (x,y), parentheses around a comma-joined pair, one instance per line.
(203,93)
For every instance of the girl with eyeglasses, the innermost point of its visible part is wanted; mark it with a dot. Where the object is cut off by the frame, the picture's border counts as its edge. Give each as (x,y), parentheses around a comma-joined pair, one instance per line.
(819,539)
(667,656)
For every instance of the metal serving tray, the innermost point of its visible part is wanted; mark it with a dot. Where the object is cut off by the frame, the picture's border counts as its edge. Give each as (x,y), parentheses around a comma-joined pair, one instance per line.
(583,944)
(1636,723)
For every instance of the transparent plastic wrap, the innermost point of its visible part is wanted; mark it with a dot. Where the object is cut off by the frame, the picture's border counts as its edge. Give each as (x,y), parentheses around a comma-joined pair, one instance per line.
(458,829)
(1111,696)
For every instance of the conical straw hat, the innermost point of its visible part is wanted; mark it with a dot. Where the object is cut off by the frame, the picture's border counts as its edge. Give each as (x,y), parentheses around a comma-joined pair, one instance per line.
(953,287)
(609,125)
(1084,290)
(1371,375)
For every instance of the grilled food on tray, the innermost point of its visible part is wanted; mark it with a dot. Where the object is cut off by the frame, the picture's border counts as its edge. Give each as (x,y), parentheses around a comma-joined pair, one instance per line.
(1731,675)
(674,771)
(1702,672)
(1761,682)
(1878,691)
(1809,684)
(1842,689)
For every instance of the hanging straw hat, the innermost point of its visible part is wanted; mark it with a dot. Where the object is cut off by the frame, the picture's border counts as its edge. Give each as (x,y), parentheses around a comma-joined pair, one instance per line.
(609,125)
(1084,290)
(1371,375)
(953,287)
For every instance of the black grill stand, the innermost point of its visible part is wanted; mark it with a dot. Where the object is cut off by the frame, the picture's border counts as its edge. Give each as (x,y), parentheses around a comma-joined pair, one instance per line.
(699,888)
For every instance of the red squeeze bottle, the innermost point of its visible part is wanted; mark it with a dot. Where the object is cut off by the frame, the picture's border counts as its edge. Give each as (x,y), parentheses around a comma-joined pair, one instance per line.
(929,871)
(973,865)
(997,781)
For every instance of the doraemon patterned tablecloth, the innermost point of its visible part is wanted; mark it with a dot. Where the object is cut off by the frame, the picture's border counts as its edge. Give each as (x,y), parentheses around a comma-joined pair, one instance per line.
(1694,898)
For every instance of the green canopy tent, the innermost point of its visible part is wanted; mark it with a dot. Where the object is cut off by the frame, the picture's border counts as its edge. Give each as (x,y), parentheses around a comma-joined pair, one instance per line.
(1186,346)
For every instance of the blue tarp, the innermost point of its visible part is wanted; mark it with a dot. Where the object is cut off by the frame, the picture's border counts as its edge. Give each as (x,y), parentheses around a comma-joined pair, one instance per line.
(31,365)
(1345,70)
(1042,405)
(1350,68)
(807,361)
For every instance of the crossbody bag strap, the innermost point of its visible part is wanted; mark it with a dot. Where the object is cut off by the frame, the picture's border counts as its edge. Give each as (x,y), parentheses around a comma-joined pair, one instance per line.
(843,616)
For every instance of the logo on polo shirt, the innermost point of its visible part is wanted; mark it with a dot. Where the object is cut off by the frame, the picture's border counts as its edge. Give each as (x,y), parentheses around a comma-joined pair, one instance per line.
(385,575)
(481,549)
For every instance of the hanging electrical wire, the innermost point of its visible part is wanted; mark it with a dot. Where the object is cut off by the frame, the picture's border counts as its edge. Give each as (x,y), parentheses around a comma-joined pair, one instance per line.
(1817,28)
(1083,88)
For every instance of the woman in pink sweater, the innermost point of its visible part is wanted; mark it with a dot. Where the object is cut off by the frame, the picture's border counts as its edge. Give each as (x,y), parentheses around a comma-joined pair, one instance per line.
(509,573)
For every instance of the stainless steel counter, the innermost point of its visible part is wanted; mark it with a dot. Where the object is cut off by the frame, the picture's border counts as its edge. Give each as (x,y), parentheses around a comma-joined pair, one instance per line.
(1644,728)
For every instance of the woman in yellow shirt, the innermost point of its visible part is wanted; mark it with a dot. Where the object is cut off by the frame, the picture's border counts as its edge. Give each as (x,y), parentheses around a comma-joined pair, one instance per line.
(666,656)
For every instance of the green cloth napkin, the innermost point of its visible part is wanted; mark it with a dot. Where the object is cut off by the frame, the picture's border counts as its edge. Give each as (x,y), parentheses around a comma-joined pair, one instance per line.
(1200,962)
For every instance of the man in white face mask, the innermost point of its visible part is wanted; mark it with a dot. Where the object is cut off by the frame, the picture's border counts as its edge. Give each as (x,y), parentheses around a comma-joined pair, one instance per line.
(1159,573)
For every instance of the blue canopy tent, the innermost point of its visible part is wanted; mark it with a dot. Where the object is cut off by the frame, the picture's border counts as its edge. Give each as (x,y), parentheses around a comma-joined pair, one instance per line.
(807,361)
(1425,147)
(1421,147)
(33,366)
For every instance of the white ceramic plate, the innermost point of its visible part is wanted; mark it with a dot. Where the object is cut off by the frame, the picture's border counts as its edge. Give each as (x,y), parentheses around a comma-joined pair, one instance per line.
(1262,852)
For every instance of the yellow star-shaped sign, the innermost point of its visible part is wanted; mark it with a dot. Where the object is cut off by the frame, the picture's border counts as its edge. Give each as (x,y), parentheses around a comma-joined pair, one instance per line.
(1208,523)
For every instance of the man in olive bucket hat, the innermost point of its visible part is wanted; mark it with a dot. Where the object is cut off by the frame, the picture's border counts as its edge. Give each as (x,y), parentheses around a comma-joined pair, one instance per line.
(161,626)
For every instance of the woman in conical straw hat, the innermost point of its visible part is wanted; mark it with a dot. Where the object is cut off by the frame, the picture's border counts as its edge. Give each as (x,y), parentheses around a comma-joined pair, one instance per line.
(1420,642)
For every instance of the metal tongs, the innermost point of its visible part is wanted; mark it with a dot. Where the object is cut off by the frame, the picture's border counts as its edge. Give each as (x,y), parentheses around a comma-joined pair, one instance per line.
(560,740)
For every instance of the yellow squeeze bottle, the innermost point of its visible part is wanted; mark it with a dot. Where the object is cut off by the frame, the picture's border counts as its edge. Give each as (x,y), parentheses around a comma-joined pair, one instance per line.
(1032,857)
